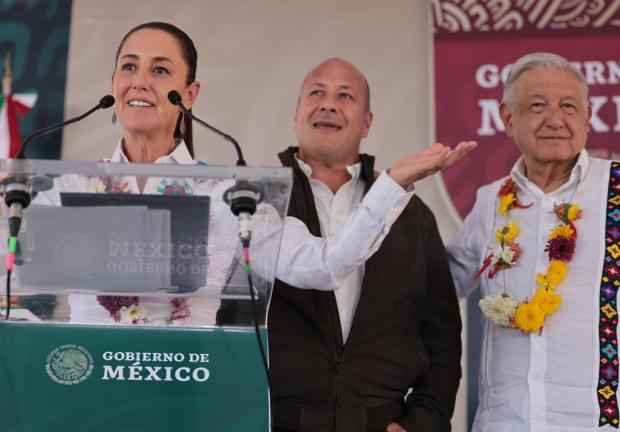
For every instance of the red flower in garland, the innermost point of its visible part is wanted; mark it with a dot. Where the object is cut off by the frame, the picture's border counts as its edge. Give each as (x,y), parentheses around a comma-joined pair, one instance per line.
(561,248)
(173,189)
(509,186)
(509,190)
(503,257)
(113,304)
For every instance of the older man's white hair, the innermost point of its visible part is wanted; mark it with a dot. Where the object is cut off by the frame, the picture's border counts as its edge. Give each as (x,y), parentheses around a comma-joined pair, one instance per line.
(539,60)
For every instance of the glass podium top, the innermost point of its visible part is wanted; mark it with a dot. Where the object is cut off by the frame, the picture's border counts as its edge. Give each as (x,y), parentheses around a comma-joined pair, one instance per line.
(137,244)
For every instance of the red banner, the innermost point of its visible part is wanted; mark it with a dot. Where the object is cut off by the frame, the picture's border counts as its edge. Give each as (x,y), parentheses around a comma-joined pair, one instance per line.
(475,45)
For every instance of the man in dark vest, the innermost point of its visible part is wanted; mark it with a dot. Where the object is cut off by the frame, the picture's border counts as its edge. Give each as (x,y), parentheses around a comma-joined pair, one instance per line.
(378,347)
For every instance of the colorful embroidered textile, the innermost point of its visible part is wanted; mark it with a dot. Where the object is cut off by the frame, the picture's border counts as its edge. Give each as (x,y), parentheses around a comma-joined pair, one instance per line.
(608,321)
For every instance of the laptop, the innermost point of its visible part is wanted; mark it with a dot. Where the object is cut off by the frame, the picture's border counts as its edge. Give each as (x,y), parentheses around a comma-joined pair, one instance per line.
(188,225)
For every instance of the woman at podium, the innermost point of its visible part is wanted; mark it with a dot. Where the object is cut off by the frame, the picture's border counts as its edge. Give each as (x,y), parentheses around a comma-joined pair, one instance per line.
(152,59)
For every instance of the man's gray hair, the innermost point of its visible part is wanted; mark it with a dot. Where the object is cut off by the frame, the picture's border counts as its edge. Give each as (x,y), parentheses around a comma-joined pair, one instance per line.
(539,60)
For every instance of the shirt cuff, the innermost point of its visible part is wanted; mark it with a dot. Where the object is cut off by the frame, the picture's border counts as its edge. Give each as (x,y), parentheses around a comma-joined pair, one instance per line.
(384,195)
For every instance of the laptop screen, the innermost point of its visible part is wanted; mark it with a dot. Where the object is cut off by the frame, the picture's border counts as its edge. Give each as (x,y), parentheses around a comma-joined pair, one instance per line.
(189,226)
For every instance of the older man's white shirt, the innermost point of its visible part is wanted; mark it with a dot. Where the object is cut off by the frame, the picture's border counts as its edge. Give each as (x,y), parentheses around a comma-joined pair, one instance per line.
(539,382)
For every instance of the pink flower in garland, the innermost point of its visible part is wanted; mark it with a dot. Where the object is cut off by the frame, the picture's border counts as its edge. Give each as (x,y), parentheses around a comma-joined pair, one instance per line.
(107,184)
(119,187)
(180,310)
(560,248)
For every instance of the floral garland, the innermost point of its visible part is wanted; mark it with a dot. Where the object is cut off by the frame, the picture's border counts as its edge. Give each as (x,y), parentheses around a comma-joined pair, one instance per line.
(107,184)
(529,316)
(127,310)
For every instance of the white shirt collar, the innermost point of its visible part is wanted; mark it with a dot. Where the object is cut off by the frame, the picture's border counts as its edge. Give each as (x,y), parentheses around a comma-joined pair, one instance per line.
(354,170)
(577,173)
(180,155)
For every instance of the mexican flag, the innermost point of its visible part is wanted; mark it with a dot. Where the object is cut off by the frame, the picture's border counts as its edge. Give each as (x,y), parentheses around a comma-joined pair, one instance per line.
(12,106)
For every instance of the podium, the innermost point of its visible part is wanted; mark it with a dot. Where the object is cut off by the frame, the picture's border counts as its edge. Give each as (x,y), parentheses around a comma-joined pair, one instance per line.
(131,308)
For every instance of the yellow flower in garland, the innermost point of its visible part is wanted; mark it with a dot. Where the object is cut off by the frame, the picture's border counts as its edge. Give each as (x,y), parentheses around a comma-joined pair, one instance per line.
(529,317)
(562,231)
(556,272)
(574,212)
(505,201)
(547,301)
(567,212)
(507,233)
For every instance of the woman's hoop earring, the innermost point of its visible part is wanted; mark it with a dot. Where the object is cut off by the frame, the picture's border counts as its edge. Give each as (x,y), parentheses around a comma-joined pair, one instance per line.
(182,124)
(114,118)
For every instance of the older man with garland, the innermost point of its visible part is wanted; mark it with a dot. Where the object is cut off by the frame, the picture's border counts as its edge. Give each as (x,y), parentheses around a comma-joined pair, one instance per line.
(542,246)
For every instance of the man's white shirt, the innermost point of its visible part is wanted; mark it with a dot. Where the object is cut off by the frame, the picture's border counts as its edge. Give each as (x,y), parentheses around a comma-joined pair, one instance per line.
(354,226)
(539,382)
(305,261)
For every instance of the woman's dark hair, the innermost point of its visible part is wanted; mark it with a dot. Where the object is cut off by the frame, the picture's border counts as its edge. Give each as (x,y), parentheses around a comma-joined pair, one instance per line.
(189,55)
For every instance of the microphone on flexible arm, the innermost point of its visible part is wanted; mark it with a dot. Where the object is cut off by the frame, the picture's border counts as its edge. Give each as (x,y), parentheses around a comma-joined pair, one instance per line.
(175,99)
(105,102)
(19,190)
(242,197)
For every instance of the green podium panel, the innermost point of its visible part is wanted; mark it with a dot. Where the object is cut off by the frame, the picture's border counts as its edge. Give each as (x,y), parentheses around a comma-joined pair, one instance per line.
(130,379)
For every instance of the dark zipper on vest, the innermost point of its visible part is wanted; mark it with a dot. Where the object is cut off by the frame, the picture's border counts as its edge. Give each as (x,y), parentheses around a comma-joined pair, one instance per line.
(338,353)
(336,390)
(367,175)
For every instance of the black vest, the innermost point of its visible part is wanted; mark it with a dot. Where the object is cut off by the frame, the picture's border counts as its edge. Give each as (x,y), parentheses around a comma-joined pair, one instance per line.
(319,383)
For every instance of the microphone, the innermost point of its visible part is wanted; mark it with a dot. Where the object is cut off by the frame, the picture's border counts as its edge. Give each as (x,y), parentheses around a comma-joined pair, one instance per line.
(18,191)
(243,199)
(105,102)
(175,99)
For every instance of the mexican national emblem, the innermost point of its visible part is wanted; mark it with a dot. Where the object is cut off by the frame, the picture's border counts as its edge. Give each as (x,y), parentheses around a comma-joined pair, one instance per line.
(69,364)
(76,255)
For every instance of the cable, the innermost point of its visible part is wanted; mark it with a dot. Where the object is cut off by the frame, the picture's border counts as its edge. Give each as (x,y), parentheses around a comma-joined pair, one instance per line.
(243,199)
(10,263)
(248,272)
(8,295)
